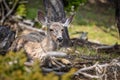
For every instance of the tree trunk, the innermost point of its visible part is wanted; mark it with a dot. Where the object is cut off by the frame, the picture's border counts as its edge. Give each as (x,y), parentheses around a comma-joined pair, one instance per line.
(117,14)
(54,10)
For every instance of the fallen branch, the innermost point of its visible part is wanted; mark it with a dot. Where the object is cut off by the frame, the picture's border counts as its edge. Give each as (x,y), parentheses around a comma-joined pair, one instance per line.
(101,70)
(112,48)
(24,26)
(6,38)
(9,12)
(97,46)
(6,5)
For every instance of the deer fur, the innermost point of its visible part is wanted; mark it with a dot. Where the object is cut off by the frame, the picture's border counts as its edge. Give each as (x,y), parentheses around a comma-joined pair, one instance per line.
(36,44)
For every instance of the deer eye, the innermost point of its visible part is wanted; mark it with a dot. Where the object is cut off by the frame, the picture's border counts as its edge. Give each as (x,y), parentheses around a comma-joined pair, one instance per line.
(51,29)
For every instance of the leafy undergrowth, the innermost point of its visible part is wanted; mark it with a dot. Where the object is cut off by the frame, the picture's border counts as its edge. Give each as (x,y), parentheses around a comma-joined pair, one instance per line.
(12,68)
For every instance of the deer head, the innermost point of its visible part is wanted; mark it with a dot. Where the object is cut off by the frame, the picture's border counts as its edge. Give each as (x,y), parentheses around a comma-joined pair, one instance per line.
(55,29)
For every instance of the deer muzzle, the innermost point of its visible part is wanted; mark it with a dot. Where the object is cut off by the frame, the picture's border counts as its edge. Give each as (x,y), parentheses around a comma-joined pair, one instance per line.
(60,39)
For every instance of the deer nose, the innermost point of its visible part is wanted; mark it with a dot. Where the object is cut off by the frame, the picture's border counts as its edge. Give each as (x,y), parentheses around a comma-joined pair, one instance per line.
(60,39)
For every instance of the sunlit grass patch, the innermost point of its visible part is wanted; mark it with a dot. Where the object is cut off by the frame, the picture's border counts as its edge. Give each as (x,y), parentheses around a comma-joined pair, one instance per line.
(95,34)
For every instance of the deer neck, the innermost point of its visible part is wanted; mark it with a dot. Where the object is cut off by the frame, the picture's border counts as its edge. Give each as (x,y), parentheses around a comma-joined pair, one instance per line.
(49,44)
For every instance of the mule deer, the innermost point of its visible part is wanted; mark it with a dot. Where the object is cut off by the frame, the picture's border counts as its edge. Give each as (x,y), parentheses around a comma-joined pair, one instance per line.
(35,46)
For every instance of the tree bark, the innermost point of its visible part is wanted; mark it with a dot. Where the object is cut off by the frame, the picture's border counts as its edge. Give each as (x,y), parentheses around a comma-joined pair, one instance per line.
(54,10)
(117,14)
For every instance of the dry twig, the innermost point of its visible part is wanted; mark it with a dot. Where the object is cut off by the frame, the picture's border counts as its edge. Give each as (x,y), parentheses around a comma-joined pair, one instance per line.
(101,70)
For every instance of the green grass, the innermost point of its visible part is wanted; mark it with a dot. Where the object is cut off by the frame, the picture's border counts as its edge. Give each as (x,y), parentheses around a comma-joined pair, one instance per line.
(98,21)
(95,15)
(94,34)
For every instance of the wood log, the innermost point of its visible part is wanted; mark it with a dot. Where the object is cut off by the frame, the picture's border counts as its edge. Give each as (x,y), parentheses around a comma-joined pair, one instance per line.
(109,49)
(6,38)
(31,28)
(97,46)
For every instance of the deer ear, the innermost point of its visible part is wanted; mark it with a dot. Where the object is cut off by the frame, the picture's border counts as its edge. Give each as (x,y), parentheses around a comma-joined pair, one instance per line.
(42,18)
(68,21)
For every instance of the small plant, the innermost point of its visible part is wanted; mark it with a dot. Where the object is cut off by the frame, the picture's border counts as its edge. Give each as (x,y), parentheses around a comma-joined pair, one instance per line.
(21,10)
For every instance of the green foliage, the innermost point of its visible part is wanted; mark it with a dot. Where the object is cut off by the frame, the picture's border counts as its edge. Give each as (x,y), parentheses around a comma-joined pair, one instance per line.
(21,10)
(38,25)
(75,3)
(32,8)
(31,13)
(12,68)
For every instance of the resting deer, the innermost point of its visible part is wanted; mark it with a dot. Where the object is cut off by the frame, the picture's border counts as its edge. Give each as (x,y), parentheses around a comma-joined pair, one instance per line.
(35,46)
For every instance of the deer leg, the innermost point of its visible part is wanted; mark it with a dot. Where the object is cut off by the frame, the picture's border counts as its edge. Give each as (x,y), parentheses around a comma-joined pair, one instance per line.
(57,63)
